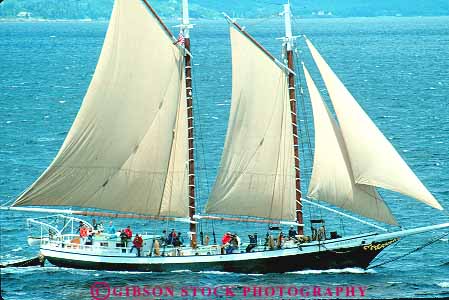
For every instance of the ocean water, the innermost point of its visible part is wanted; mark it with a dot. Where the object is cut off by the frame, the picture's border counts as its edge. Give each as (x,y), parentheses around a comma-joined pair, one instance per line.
(397,68)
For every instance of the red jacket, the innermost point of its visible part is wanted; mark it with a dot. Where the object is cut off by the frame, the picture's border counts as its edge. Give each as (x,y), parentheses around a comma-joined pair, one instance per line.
(128,232)
(226,239)
(83,232)
(138,242)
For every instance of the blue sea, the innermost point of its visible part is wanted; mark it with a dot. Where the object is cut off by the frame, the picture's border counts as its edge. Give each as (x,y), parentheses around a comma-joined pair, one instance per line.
(397,68)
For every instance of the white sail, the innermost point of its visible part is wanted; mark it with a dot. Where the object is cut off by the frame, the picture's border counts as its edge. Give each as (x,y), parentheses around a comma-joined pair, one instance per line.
(126,150)
(373,159)
(257,175)
(332,180)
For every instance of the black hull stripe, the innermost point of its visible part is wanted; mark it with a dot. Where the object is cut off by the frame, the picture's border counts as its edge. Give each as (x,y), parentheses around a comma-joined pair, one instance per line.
(351,257)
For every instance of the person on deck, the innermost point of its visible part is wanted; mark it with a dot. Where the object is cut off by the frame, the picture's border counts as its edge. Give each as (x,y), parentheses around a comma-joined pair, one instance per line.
(137,244)
(123,238)
(100,227)
(163,238)
(252,242)
(83,234)
(171,237)
(225,241)
(292,233)
(235,243)
(226,238)
(90,238)
(129,232)
(94,224)
(111,229)
(80,226)
(179,240)
(280,240)
(206,240)
(237,239)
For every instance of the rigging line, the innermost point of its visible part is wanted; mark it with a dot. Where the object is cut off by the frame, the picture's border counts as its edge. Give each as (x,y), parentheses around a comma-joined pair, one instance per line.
(7,203)
(259,46)
(343,214)
(428,243)
(306,120)
(200,139)
(304,132)
(306,128)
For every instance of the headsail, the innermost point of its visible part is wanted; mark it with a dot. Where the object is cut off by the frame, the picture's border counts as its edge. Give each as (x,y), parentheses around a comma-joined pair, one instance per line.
(373,159)
(257,175)
(332,180)
(127,149)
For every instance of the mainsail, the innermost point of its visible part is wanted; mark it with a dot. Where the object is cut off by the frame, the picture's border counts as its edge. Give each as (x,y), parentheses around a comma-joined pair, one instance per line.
(332,180)
(127,149)
(373,159)
(257,175)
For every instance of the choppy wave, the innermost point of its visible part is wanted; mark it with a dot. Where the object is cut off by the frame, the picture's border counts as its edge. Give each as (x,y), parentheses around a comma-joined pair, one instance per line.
(21,270)
(444,284)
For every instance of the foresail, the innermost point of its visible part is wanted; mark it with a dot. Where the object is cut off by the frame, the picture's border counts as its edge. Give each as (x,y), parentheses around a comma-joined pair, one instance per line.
(257,175)
(373,159)
(124,151)
(332,179)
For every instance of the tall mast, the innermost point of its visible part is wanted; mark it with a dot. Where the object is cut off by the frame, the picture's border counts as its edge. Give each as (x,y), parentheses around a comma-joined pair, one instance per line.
(288,40)
(185,27)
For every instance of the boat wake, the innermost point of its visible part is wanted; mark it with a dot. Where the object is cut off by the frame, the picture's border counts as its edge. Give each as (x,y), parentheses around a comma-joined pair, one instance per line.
(181,271)
(444,284)
(305,272)
(335,271)
(128,272)
(216,272)
(18,270)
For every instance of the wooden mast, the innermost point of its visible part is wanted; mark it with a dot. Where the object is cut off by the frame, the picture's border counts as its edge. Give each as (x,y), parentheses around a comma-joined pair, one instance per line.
(292,96)
(185,27)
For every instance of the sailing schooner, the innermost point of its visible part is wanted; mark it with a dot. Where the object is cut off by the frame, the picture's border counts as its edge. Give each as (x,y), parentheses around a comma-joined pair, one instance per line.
(131,151)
